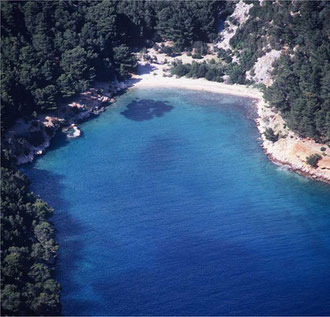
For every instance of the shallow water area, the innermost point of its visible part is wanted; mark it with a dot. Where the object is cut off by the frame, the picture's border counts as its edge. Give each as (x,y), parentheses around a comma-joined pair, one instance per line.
(167,205)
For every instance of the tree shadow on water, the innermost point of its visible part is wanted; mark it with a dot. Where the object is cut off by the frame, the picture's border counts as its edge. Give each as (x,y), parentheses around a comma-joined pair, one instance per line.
(146,109)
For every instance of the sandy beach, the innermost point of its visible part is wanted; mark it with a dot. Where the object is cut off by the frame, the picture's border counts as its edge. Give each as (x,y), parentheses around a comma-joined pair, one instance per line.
(290,150)
(201,84)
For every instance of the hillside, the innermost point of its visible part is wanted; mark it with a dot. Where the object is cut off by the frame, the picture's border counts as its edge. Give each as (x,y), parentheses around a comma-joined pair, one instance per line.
(285,45)
(56,53)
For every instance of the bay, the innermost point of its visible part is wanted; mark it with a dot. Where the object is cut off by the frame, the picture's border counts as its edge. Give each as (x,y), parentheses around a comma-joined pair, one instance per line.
(167,205)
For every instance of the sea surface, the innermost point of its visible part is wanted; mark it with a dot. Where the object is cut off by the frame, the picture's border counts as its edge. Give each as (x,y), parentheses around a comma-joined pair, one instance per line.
(167,205)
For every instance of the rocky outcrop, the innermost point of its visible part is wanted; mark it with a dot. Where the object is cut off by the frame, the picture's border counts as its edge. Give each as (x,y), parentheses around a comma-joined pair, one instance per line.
(263,67)
(291,150)
(72,131)
(260,73)
(29,137)
(236,19)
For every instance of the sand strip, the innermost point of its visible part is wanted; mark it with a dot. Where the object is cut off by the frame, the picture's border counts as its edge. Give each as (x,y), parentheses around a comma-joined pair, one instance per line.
(290,150)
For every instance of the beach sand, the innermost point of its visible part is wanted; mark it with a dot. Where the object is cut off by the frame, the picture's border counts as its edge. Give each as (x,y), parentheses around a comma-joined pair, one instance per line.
(290,150)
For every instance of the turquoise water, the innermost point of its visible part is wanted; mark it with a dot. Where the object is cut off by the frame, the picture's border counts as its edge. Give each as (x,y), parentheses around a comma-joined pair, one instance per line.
(168,206)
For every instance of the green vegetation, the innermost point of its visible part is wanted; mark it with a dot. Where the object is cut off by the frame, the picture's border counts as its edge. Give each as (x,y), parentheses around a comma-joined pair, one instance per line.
(200,49)
(210,71)
(313,159)
(185,22)
(213,71)
(51,50)
(302,74)
(270,135)
(62,47)
(28,250)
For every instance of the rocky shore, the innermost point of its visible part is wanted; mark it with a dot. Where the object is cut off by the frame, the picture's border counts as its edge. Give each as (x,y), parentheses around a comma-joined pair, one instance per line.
(289,150)
(30,137)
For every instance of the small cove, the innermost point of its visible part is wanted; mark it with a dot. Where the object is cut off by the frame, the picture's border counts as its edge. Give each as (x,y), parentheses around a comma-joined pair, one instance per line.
(168,206)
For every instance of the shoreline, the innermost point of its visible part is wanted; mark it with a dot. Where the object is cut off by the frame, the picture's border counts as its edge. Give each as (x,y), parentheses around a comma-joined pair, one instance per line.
(27,139)
(289,151)
(199,84)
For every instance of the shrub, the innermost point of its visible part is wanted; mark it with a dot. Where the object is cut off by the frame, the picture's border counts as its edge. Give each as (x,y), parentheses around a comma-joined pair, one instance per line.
(313,159)
(323,149)
(225,55)
(236,74)
(180,69)
(197,56)
(147,57)
(270,135)
(167,50)
(228,59)
(200,48)
(211,74)
(49,131)
(35,138)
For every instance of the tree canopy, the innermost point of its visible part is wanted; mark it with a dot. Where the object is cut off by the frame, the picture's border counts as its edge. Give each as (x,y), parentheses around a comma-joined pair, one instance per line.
(54,49)
(301,77)
(28,250)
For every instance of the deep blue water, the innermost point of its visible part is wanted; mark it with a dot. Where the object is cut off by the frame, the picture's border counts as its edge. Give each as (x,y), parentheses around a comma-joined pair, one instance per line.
(168,206)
